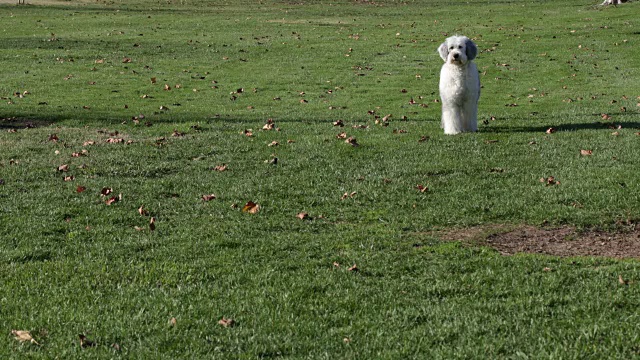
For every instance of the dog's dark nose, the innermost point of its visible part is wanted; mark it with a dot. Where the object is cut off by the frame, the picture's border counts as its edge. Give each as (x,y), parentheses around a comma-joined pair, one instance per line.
(455,56)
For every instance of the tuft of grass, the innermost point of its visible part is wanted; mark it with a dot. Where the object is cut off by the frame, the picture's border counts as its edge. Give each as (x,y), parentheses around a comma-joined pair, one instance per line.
(71,264)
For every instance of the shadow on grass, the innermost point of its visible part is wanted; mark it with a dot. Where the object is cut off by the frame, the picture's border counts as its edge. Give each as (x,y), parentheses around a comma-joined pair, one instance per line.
(627,121)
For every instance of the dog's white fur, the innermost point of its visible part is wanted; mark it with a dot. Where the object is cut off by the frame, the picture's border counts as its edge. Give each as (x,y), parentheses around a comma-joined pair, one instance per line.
(459,85)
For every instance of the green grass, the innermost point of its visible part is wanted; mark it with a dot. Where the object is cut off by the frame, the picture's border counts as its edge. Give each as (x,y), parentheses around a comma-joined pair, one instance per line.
(70,264)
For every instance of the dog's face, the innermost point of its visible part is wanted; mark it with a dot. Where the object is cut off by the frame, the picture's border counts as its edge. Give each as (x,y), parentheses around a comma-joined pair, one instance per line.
(458,50)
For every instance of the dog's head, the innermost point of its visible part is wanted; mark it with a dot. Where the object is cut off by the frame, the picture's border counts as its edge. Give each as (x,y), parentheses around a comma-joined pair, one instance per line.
(458,50)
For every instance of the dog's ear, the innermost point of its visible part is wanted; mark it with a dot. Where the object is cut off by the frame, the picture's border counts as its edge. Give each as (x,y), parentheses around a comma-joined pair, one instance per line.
(471,49)
(444,51)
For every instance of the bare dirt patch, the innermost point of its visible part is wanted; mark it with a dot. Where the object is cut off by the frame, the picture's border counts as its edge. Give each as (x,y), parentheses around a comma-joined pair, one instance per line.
(561,241)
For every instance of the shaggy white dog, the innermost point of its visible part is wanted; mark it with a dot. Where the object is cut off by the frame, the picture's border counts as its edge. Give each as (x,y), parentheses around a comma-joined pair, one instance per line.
(459,85)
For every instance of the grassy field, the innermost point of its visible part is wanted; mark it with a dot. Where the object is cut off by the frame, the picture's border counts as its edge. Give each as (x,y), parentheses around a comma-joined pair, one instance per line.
(118,118)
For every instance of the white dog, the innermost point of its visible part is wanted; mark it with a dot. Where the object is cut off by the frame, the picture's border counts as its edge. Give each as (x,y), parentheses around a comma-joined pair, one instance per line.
(459,85)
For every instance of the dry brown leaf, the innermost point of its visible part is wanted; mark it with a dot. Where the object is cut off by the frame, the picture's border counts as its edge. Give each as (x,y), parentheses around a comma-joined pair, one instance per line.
(303,216)
(142,211)
(339,123)
(273,143)
(106,191)
(354,268)
(422,188)
(251,207)
(152,224)
(348,195)
(112,200)
(220,168)
(80,189)
(208,197)
(549,181)
(85,342)
(586,152)
(550,130)
(227,322)
(63,168)
(173,322)
(352,141)
(23,336)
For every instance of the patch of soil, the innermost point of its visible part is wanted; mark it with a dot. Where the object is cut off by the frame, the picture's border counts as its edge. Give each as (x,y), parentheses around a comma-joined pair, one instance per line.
(562,241)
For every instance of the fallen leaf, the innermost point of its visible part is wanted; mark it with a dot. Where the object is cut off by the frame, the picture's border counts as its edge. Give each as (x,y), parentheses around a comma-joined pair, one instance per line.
(303,216)
(615,133)
(352,141)
(354,268)
(550,130)
(152,224)
(84,152)
(53,137)
(80,189)
(142,211)
(347,195)
(549,181)
(220,168)
(63,168)
(173,321)
(227,322)
(422,188)
(336,264)
(339,123)
(69,178)
(208,197)
(112,200)
(342,135)
(247,133)
(586,152)
(273,143)
(85,342)
(106,191)
(23,336)
(177,133)
(251,207)
(621,281)
(547,269)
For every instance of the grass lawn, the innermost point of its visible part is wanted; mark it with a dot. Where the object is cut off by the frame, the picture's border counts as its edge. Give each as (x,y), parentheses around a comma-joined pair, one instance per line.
(119,120)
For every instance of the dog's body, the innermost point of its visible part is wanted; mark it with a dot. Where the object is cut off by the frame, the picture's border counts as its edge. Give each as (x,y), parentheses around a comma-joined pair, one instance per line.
(459,85)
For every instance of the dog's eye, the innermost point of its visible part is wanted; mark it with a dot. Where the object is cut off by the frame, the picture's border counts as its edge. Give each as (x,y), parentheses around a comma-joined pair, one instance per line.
(451,48)
(460,47)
